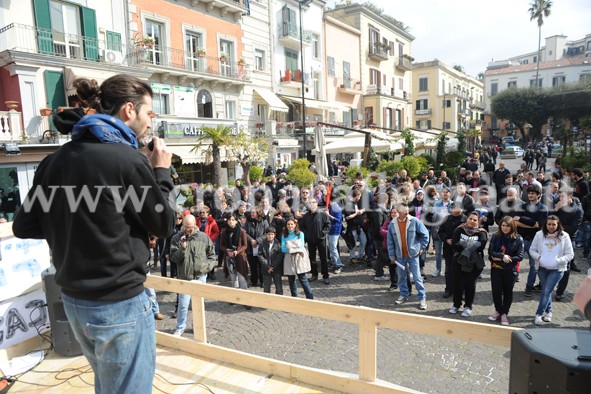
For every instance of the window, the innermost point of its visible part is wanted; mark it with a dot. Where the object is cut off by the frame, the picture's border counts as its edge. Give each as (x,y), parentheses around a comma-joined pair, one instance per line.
(374,40)
(532,82)
(113,41)
(401,83)
(535,59)
(262,112)
(422,104)
(589,45)
(374,77)
(585,77)
(193,43)
(156,31)
(347,74)
(315,46)
(227,48)
(447,103)
(494,89)
(512,84)
(10,195)
(67,35)
(160,103)
(525,61)
(423,84)
(331,69)
(230,109)
(550,53)
(558,80)
(446,125)
(291,61)
(259,60)
(400,49)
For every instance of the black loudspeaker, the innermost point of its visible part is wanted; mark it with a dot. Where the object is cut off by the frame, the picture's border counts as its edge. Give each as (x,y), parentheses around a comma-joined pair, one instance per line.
(64,341)
(550,361)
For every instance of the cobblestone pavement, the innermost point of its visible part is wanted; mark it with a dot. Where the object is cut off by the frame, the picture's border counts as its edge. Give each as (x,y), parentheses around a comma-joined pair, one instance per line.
(424,363)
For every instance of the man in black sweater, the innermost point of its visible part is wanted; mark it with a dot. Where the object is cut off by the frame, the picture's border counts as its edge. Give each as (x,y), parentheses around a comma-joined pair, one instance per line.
(106,197)
(315,225)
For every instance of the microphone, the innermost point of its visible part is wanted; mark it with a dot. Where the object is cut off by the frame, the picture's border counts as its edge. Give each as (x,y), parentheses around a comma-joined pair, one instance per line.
(173,173)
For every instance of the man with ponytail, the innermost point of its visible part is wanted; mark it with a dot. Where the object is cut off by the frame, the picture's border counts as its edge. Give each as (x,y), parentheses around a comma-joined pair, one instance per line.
(95,201)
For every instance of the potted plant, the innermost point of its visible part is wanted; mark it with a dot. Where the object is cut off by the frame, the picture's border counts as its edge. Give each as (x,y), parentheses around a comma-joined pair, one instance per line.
(223,57)
(45,111)
(148,41)
(241,61)
(11,105)
(201,52)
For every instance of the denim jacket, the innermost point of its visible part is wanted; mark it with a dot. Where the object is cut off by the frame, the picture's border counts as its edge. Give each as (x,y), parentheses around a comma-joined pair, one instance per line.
(417,238)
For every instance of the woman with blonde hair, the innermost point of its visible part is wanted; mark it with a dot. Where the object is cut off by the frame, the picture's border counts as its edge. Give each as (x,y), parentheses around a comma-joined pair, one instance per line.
(505,251)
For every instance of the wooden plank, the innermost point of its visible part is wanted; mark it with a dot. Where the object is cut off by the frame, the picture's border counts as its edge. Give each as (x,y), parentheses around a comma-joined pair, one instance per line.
(199,332)
(368,342)
(339,381)
(406,322)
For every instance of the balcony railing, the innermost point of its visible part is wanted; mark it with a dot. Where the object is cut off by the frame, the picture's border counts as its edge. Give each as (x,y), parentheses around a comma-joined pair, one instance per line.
(31,39)
(349,85)
(377,51)
(289,33)
(10,126)
(423,112)
(403,63)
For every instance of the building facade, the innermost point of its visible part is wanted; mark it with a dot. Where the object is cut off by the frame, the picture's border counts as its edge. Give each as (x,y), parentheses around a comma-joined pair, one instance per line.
(562,62)
(445,98)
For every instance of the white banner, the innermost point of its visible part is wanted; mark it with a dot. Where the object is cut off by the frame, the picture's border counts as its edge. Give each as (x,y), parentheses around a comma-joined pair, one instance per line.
(21,317)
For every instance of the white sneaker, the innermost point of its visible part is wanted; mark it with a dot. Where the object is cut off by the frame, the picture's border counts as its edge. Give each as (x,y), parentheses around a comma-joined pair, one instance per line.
(547,317)
(423,305)
(178,333)
(381,278)
(467,312)
(436,273)
(453,310)
(400,300)
(538,320)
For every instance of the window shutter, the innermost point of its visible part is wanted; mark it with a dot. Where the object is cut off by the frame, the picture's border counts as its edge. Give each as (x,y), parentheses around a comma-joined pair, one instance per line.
(371,77)
(418,104)
(89,31)
(55,89)
(354,114)
(43,24)
(114,41)
(347,118)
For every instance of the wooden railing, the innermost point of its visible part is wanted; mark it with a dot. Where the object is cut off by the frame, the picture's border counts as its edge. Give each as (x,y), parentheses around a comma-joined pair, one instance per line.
(367,320)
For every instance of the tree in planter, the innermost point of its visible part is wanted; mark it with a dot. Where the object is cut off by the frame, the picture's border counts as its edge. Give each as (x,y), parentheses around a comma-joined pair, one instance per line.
(215,138)
(299,173)
(372,160)
(255,173)
(461,136)
(352,171)
(575,159)
(441,142)
(247,151)
(390,167)
(409,148)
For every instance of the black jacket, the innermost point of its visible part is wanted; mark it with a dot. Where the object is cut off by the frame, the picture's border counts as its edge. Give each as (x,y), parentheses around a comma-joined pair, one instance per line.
(273,259)
(571,217)
(315,225)
(446,230)
(100,253)
(514,248)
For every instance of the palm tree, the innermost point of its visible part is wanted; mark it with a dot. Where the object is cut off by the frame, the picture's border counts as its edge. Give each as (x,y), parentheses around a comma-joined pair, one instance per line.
(215,138)
(538,9)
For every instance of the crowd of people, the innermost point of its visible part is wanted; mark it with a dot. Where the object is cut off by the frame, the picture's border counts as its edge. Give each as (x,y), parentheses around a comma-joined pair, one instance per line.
(493,218)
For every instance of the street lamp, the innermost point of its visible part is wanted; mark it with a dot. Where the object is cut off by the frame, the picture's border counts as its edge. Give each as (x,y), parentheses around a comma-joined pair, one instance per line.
(300,4)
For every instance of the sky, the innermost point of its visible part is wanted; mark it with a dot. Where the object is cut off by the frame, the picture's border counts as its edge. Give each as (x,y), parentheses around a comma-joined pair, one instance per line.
(471,33)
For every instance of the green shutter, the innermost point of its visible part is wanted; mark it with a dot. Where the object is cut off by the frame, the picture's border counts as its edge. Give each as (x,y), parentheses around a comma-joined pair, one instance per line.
(113,41)
(90,33)
(43,24)
(55,89)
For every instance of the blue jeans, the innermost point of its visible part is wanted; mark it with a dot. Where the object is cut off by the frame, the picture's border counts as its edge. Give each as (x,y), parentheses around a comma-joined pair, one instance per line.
(293,288)
(151,293)
(333,250)
(411,264)
(359,236)
(586,236)
(531,276)
(184,300)
(118,339)
(438,253)
(548,280)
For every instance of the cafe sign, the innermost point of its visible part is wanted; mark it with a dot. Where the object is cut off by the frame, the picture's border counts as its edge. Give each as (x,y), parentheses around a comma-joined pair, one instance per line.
(190,129)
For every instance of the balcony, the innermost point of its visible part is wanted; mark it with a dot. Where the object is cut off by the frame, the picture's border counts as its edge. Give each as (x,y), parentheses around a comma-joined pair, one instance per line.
(477,105)
(423,112)
(289,35)
(235,7)
(403,63)
(159,59)
(377,52)
(349,86)
(292,79)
